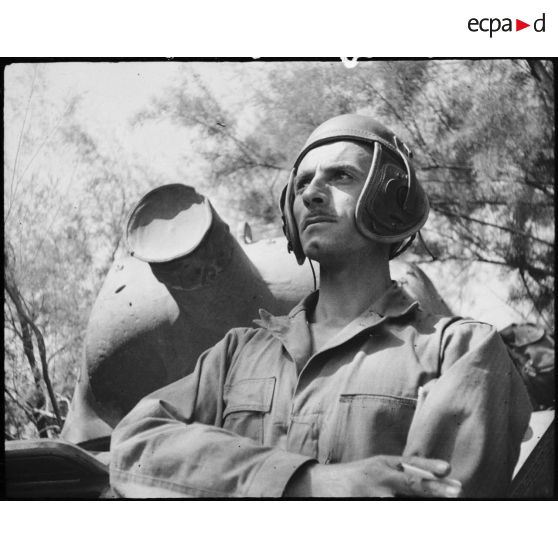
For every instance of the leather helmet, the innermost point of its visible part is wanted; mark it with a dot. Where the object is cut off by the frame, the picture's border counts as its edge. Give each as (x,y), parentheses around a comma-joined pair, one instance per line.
(392,206)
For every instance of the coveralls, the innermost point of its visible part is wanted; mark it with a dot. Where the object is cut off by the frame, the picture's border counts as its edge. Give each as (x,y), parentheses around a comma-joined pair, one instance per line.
(259,405)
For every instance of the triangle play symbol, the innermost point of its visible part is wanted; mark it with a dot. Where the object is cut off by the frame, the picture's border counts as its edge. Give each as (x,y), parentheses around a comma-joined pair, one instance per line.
(519,25)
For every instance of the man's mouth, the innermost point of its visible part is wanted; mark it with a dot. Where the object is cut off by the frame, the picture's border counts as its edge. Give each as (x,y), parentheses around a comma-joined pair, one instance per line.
(314,219)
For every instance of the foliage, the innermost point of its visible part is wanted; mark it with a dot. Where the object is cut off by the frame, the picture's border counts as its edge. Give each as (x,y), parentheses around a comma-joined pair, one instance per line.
(62,226)
(481,131)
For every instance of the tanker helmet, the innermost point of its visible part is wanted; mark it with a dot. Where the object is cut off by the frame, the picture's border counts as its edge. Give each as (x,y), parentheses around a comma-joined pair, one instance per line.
(392,206)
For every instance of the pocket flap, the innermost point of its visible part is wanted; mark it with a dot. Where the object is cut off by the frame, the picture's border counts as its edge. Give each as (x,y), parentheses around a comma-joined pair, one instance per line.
(254,394)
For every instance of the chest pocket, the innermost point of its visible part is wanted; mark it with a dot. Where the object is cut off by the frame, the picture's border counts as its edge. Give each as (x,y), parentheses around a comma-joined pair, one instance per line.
(246,403)
(370,424)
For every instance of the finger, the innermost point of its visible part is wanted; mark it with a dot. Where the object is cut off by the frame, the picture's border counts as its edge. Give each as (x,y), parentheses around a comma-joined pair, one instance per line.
(409,484)
(438,489)
(437,467)
(425,474)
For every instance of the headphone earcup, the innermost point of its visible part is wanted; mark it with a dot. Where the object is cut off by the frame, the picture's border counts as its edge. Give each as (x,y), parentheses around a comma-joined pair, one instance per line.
(387,210)
(395,193)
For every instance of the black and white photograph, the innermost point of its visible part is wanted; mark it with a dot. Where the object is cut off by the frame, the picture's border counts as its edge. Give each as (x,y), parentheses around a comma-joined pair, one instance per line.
(253,278)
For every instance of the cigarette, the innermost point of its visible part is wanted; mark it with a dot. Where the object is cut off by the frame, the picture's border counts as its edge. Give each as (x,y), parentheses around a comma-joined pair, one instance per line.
(417,471)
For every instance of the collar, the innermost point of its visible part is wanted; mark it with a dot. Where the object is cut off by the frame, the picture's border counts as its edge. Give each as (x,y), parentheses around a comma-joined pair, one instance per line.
(293,332)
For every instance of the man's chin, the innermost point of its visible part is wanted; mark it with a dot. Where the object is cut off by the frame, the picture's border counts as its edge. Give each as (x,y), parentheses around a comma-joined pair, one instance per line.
(326,253)
(320,252)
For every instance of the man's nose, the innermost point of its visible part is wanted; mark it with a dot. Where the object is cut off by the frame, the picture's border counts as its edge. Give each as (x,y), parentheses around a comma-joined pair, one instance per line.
(315,193)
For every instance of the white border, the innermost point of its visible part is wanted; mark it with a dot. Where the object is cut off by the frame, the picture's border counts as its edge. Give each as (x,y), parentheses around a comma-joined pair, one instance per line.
(250,28)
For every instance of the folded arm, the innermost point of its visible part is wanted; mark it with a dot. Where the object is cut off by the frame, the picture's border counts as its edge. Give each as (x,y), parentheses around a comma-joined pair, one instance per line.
(475,414)
(171,444)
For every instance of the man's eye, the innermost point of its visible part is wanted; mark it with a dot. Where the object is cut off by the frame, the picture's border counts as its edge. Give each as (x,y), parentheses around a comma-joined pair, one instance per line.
(342,175)
(301,184)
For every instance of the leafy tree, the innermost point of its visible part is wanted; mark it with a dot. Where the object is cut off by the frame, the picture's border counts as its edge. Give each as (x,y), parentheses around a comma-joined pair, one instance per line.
(481,131)
(65,201)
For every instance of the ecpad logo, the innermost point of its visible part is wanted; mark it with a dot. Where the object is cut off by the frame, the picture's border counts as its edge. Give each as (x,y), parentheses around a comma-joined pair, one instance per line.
(494,24)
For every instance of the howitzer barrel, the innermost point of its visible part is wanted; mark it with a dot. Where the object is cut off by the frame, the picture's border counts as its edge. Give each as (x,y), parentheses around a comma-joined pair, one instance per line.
(185,285)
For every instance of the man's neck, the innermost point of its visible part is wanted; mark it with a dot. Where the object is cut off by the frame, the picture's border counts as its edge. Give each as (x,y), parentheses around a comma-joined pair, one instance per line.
(348,288)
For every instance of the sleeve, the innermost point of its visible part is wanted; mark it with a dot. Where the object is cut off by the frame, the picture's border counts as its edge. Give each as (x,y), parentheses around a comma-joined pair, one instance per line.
(475,414)
(170,444)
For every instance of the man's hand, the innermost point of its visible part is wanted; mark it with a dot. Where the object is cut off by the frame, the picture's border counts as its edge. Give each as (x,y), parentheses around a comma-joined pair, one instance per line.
(379,476)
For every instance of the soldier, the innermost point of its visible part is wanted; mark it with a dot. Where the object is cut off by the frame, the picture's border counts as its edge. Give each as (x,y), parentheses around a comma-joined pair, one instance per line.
(359,391)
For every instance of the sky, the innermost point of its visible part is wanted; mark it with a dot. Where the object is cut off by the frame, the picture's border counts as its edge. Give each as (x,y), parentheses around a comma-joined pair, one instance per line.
(113,92)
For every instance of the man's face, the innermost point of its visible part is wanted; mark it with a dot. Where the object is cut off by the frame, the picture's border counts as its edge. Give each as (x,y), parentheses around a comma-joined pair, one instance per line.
(327,186)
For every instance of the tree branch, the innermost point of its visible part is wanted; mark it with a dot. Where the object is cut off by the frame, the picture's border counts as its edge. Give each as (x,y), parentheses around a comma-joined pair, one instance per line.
(16,297)
(63,347)
(533,300)
(21,405)
(539,187)
(541,74)
(18,149)
(445,167)
(413,133)
(449,213)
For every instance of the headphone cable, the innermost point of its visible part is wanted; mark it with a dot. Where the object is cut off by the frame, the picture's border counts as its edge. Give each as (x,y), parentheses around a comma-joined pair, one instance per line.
(313,274)
(434,258)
